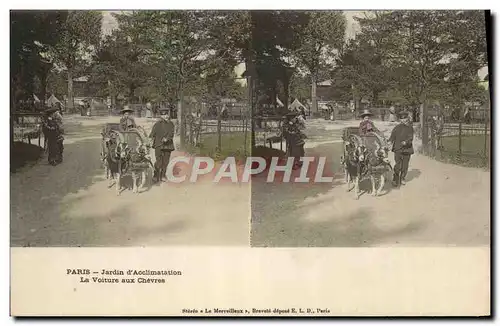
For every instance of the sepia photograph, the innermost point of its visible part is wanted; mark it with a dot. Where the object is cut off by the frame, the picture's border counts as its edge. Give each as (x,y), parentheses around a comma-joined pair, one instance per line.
(247,136)
(398,103)
(101,102)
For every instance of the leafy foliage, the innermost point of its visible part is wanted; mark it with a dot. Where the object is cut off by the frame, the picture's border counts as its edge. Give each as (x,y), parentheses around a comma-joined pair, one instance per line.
(32,33)
(412,57)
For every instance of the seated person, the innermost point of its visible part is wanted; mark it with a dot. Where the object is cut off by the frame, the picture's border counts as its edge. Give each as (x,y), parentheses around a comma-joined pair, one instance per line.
(366,126)
(127,122)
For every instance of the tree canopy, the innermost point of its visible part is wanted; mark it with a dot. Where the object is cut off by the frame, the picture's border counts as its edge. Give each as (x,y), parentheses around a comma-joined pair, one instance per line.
(412,57)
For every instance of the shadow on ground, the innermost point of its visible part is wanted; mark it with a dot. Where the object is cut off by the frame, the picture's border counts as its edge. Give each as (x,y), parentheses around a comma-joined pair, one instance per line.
(36,192)
(50,204)
(355,230)
(111,229)
(24,155)
(413,174)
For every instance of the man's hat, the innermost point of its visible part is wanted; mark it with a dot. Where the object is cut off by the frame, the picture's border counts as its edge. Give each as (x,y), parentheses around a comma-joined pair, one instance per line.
(126,109)
(403,114)
(365,113)
(164,111)
(292,114)
(51,110)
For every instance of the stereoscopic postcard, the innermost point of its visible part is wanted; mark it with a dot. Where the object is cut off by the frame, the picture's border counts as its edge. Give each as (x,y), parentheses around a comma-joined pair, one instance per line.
(250,163)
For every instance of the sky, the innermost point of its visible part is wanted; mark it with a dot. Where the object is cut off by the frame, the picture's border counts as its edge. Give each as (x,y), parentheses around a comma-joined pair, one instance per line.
(109,23)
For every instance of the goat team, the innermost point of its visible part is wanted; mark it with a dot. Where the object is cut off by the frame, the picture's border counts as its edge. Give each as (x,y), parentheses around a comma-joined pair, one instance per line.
(361,161)
(119,158)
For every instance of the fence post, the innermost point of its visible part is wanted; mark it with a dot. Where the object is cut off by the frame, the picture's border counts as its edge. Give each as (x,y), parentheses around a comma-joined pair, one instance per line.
(460,137)
(486,154)
(219,132)
(245,131)
(191,121)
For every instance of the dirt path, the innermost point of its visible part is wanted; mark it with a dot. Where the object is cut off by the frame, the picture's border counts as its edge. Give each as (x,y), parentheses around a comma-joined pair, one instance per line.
(71,205)
(441,205)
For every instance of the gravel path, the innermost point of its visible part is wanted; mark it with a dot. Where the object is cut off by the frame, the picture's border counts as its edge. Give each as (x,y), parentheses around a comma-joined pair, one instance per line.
(441,205)
(71,205)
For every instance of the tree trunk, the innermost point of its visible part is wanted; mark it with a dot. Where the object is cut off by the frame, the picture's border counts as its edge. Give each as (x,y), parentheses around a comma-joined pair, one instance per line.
(219,130)
(111,94)
(314,103)
(250,88)
(12,112)
(70,105)
(414,114)
(251,109)
(460,138)
(43,92)
(286,89)
(131,92)
(43,75)
(424,126)
(181,117)
(375,98)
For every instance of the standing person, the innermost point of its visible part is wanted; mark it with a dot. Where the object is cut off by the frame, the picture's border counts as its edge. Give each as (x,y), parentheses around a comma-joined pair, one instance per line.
(58,116)
(52,129)
(295,138)
(127,122)
(303,112)
(467,116)
(402,146)
(81,106)
(88,107)
(392,114)
(149,112)
(162,136)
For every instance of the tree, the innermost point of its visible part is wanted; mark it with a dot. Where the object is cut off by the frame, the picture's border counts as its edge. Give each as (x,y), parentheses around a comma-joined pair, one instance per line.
(413,47)
(119,63)
(177,43)
(320,41)
(361,72)
(80,34)
(32,32)
(57,83)
(468,34)
(300,87)
(417,57)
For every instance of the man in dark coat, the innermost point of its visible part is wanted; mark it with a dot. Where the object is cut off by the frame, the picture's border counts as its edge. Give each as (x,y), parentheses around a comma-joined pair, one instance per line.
(127,122)
(52,130)
(303,112)
(402,146)
(293,127)
(162,136)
